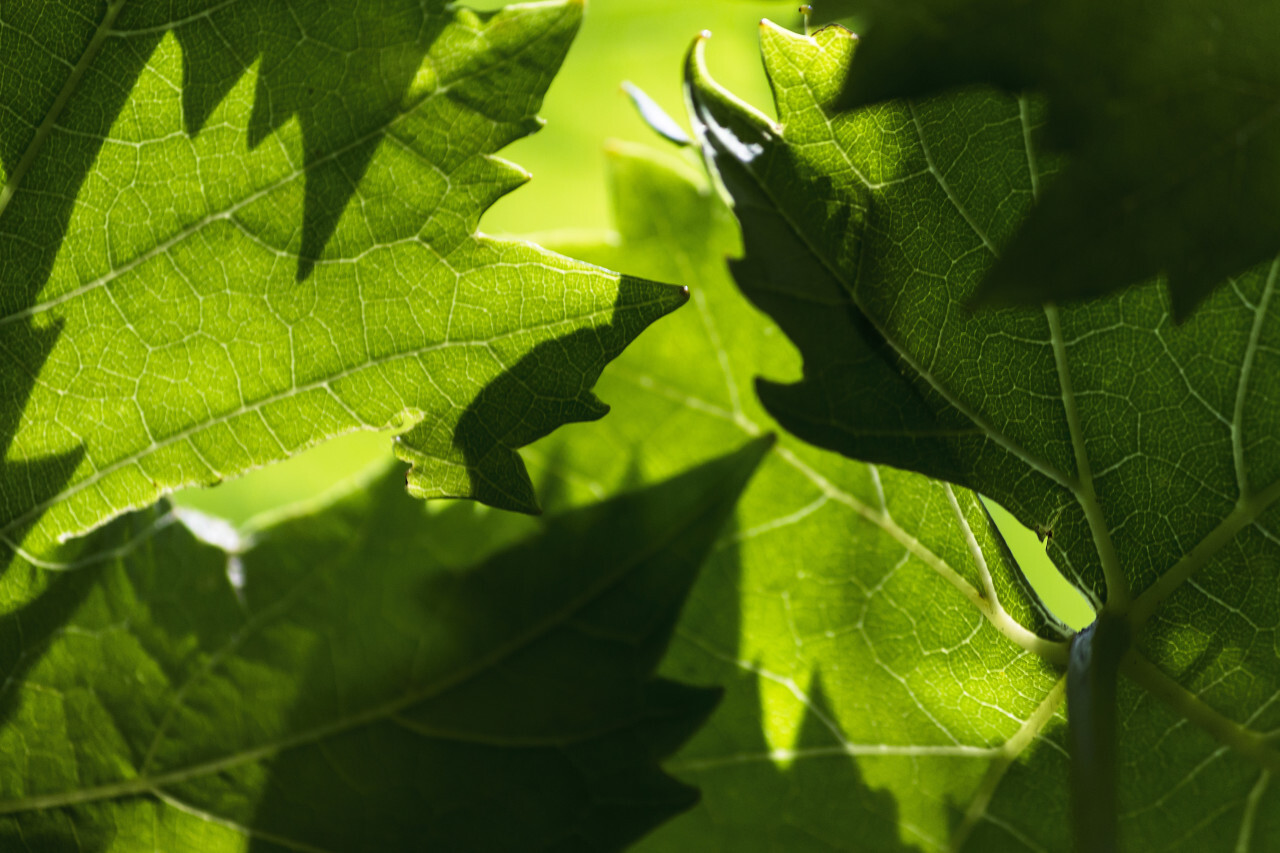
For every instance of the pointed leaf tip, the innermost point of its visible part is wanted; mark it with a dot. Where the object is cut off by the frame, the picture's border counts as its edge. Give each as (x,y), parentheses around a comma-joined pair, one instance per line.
(655,116)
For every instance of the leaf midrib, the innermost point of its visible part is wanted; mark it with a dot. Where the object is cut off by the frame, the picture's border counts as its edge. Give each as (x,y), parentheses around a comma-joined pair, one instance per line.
(386,710)
(45,129)
(257,405)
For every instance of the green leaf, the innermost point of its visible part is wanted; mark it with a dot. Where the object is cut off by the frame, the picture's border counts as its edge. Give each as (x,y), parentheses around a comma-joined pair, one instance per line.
(1167,111)
(1144,446)
(844,703)
(338,681)
(230,231)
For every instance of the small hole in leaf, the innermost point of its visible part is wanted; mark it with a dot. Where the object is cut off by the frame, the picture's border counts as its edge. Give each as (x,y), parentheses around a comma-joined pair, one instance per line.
(1028,546)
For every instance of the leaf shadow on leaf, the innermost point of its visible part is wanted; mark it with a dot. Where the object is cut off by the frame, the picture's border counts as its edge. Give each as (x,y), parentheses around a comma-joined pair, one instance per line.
(32,229)
(551,385)
(533,719)
(819,801)
(344,73)
(26,348)
(25,633)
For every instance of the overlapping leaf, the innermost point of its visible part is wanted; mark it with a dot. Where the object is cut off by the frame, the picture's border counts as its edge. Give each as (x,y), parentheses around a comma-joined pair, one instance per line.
(1167,108)
(871,679)
(230,230)
(345,680)
(1144,447)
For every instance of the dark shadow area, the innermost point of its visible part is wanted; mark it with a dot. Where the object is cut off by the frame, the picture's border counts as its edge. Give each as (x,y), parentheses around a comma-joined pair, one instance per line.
(548,387)
(344,71)
(819,803)
(750,803)
(44,171)
(25,632)
(515,703)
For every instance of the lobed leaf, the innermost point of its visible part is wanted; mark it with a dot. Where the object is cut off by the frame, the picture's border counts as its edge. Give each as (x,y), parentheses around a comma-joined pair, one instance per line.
(1166,108)
(859,617)
(1144,446)
(230,230)
(339,681)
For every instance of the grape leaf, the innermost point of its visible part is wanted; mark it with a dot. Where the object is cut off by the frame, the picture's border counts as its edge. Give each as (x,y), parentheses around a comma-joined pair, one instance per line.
(842,702)
(1145,447)
(1167,109)
(230,230)
(334,682)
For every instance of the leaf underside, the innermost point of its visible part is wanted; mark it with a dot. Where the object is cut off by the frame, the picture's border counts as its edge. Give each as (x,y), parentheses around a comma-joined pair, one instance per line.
(231,230)
(1166,109)
(800,608)
(342,680)
(1144,446)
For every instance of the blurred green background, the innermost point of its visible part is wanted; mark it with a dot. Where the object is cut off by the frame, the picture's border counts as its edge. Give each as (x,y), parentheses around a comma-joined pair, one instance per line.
(643,41)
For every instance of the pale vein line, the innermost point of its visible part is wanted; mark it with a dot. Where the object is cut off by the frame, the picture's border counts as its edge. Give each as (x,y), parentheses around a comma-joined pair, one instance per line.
(777,523)
(848,750)
(1246,368)
(59,104)
(1086,494)
(322,384)
(1245,840)
(1245,513)
(247,831)
(946,186)
(975,550)
(1026,143)
(1005,757)
(173,25)
(1249,744)
(1053,652)
(1041,466)
(122,550)
(379,713)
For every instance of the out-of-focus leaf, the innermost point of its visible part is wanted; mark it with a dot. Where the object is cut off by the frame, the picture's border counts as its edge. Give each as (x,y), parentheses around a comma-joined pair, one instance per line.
(859,617)
(1167,109)
(1146,449)
(230,230)
(343,680)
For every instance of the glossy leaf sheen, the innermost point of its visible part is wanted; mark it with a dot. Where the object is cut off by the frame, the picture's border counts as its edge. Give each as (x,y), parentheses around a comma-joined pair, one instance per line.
(1167,109)
(344,680)
(230,230)
(1145,447)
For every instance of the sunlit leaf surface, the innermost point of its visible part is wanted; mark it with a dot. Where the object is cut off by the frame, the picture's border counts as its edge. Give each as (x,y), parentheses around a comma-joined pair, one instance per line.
(367,675)
(1145,448)
(847,611)
(1166,108)
(230,230)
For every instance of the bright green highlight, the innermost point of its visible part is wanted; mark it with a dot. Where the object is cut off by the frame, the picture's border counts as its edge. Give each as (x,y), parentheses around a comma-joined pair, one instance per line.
(844,597)
(1145,445)
(225,250)
(1029,549)
(1170,169)
(173,694)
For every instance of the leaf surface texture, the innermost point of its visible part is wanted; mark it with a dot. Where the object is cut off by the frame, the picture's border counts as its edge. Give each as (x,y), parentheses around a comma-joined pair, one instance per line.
(367,675)
(230,230)
(1143,445)
(1167,111)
